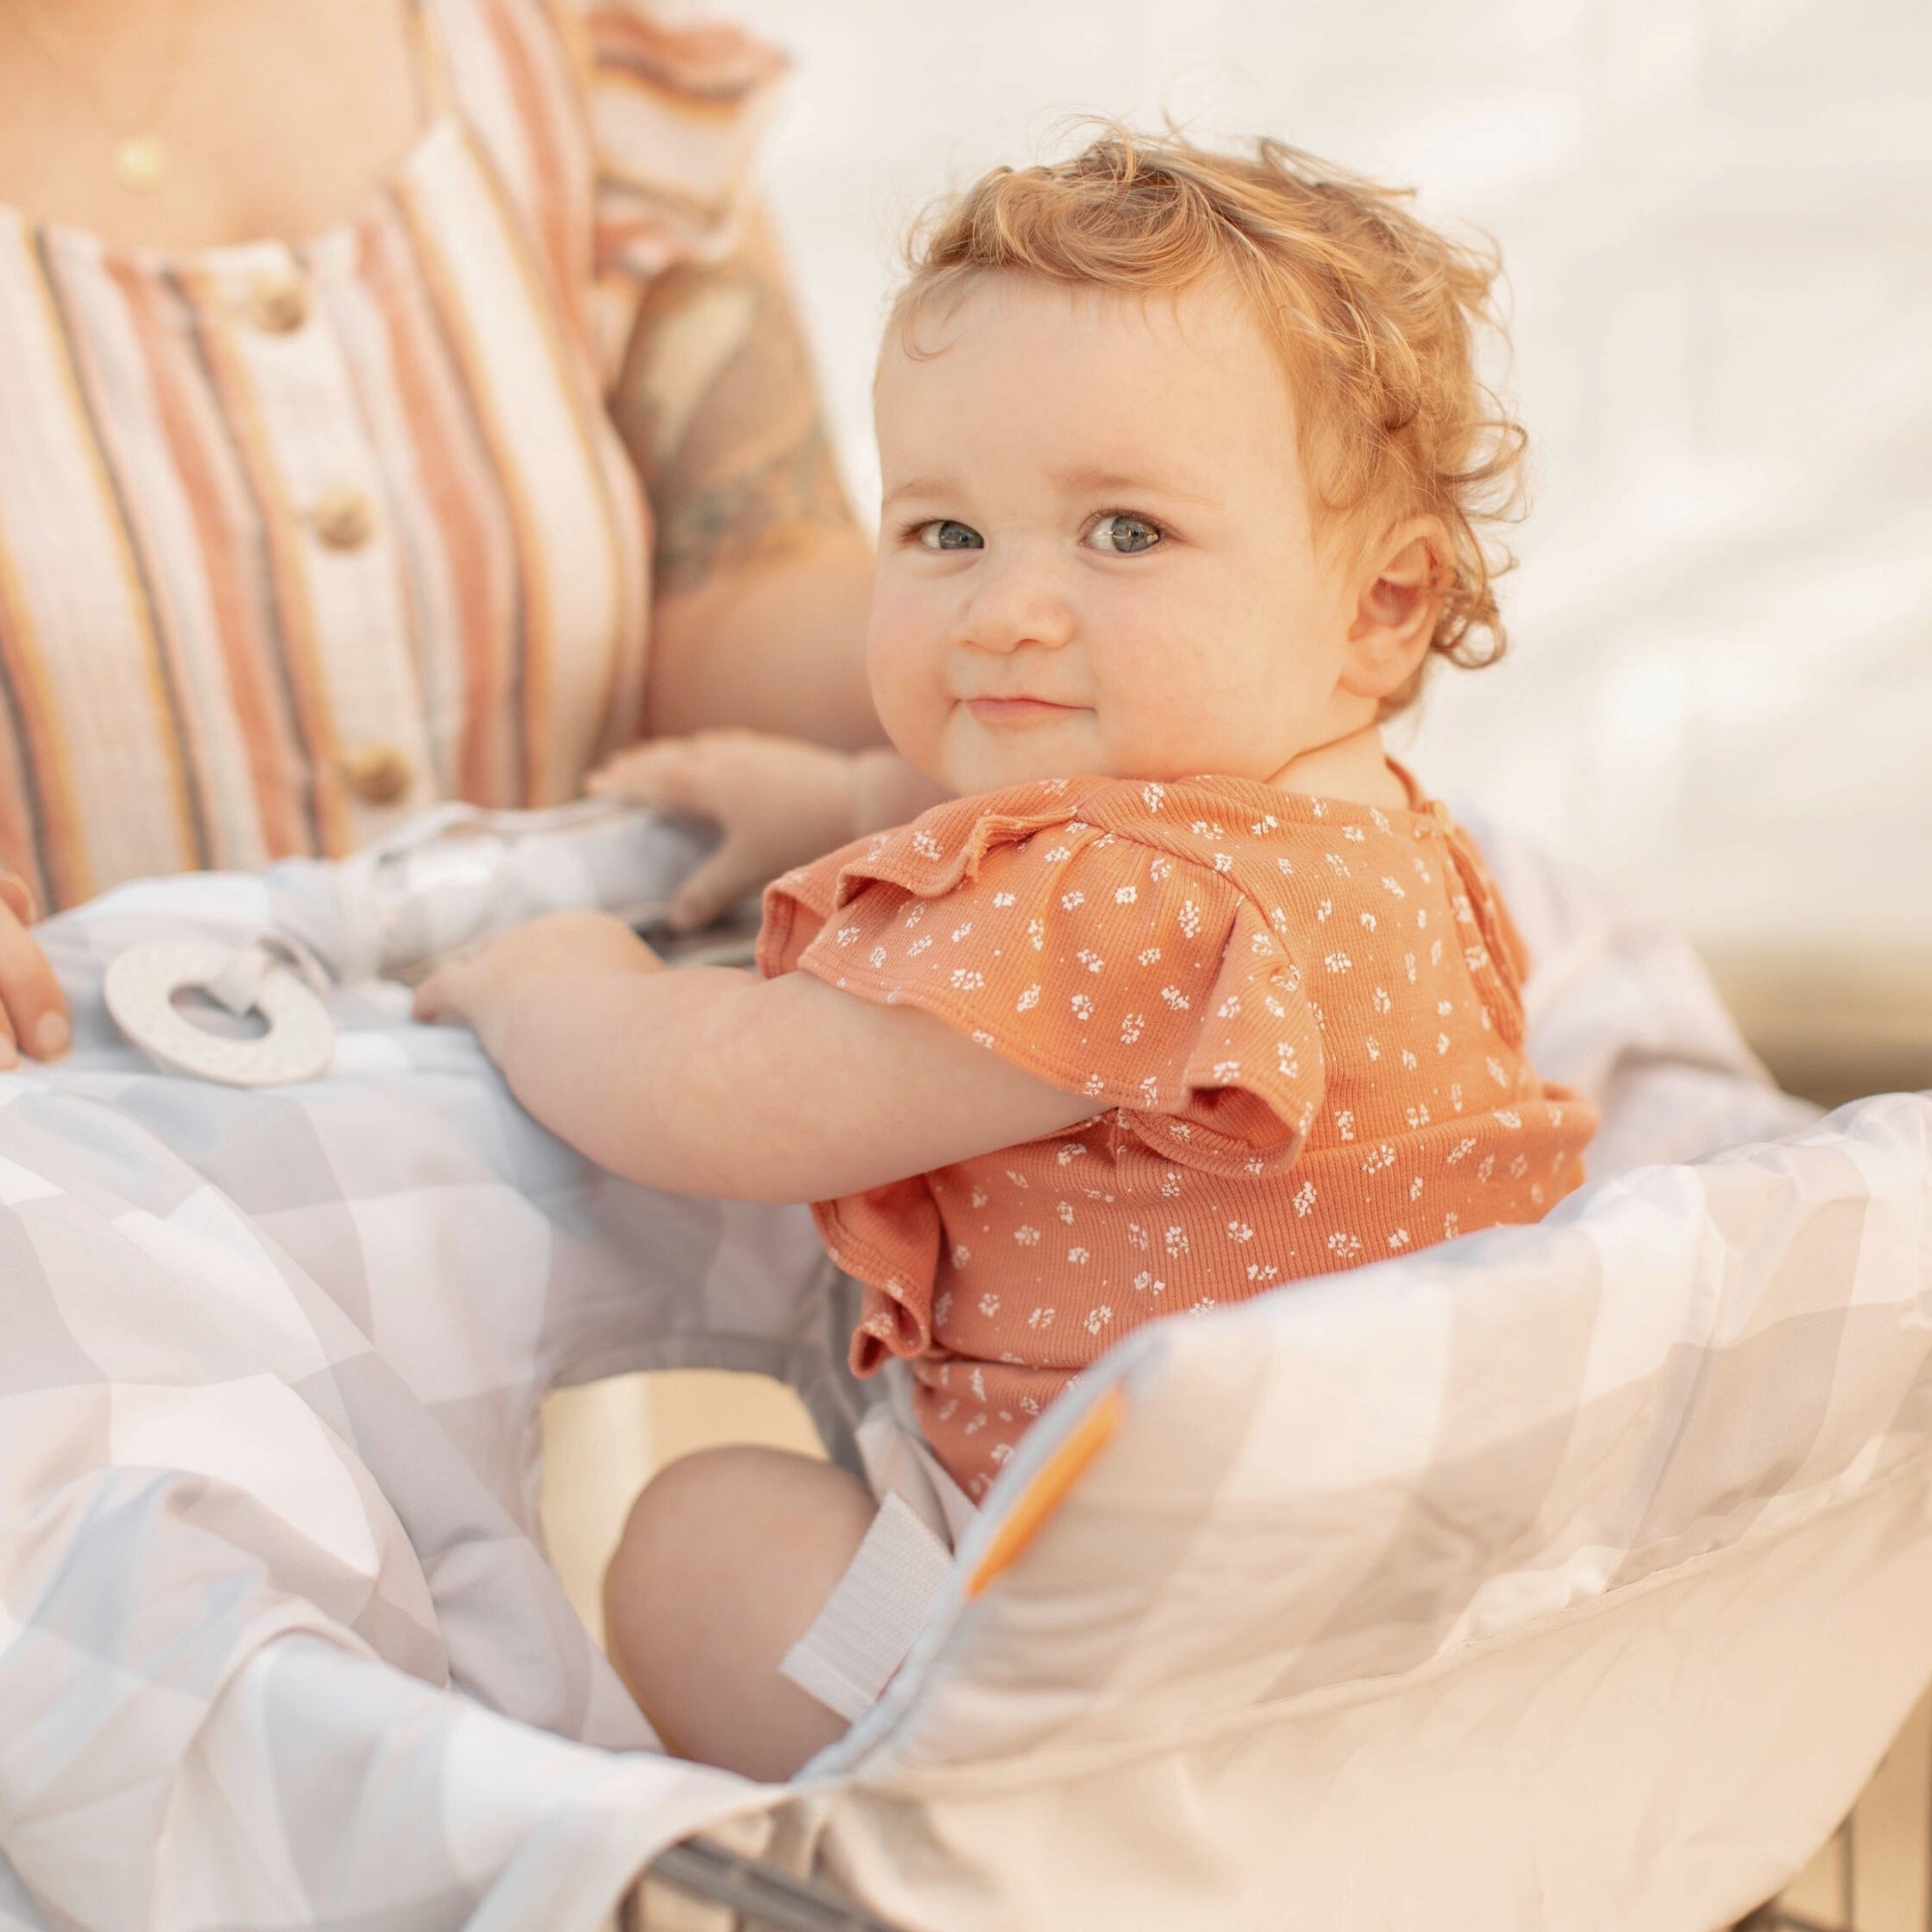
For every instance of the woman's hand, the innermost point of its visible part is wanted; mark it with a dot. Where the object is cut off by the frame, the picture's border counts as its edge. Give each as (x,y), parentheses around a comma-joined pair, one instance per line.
(780,801)
(531,963)
(33,1009)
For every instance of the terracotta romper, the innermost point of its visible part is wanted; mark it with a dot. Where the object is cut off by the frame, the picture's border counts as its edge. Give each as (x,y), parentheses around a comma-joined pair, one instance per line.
(1300,1022)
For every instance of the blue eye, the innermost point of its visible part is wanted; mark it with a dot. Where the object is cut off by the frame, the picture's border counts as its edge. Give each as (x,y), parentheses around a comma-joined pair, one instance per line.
(1123,534)
(943,533)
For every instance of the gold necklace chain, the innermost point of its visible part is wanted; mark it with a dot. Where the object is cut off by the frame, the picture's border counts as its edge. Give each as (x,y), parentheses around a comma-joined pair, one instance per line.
(140,156)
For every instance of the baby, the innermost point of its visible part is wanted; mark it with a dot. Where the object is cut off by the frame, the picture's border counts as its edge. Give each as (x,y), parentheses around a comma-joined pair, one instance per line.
(1192,992)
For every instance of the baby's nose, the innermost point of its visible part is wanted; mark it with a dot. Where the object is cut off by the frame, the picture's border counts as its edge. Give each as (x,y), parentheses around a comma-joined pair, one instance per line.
(1014,607)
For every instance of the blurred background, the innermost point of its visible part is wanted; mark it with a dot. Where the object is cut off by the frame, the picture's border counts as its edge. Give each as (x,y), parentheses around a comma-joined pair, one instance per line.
(1714,216)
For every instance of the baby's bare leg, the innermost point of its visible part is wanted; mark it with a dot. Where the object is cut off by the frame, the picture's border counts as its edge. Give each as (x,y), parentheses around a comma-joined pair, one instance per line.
(728,1557)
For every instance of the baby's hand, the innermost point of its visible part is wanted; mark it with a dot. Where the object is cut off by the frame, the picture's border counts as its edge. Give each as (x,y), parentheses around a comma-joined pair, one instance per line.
(32,1010)
(781,802)
(535,962)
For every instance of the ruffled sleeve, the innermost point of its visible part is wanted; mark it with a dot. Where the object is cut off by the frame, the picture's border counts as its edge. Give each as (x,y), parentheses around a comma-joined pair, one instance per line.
(1107,966)
(677,116)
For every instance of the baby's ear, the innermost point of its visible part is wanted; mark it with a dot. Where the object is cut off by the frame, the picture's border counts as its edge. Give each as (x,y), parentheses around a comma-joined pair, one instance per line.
(1401,582)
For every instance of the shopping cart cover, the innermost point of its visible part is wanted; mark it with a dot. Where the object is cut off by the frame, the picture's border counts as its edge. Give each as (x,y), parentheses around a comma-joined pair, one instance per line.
(278,1646)
(1562,1578)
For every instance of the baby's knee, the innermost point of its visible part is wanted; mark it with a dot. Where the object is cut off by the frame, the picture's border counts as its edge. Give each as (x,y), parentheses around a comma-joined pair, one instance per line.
(668,1520)
(702,1517)
(727,1557)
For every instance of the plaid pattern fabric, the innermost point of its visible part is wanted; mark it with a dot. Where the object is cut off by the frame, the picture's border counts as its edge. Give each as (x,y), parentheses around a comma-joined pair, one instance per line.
(1505,1576)
(1571,1579)
(269,1370)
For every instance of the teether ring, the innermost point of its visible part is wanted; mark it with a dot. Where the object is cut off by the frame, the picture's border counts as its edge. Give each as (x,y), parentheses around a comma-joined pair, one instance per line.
(268,977)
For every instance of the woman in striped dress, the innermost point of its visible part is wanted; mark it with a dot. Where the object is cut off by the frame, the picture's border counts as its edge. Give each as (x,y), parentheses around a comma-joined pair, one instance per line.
(400,399)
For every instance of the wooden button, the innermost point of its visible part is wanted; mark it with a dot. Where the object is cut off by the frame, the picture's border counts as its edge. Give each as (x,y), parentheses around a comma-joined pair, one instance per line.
(377,773)
(277,303)
(344,519)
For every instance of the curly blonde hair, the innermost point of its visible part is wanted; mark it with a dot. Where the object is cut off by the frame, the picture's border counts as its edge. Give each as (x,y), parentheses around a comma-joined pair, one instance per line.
(1376,315)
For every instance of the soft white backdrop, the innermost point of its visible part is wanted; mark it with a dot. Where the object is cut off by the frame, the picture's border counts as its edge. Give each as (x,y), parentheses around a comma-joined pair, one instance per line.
(1714,216)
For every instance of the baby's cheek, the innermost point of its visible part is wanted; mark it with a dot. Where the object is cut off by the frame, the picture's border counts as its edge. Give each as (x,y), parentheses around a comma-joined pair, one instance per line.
(1190,705)
(1151,720)
(909,695)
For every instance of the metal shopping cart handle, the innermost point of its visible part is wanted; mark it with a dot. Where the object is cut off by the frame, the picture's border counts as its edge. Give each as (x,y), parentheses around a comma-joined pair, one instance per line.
(761,1892)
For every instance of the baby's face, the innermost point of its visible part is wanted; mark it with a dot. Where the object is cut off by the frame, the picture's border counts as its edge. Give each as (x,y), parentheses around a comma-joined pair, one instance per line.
(1097,552)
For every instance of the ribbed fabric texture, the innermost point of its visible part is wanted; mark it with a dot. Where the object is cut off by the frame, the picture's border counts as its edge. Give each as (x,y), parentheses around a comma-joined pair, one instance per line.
(1300,1021)
(276,515)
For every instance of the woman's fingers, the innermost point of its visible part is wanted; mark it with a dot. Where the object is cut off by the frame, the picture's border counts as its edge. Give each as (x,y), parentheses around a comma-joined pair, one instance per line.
(777,800)
(714,888)
(675,775)
(685,774)
(31,1000)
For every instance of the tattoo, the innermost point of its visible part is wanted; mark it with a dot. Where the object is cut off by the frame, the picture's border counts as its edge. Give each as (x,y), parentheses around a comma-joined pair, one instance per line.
(719,408)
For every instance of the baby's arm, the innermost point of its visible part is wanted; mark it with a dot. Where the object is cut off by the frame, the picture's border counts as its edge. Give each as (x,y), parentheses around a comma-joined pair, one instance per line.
(708,1081)
(716,1082)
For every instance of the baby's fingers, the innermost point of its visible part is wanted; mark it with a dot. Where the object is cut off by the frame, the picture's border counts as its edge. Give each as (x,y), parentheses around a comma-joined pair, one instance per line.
(439,999)
(32,1010)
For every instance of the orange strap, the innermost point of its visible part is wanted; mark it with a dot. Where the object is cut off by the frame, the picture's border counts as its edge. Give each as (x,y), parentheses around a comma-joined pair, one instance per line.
(1049,1489)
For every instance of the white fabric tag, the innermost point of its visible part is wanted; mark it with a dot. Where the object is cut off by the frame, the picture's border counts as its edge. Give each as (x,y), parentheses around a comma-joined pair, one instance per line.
(869,1621)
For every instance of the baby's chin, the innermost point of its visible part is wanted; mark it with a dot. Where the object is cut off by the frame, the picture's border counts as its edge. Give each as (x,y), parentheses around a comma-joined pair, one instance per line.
(978,760)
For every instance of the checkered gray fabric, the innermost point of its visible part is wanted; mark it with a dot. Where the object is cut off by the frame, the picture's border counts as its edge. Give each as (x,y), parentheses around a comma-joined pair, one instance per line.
(1565,1578)
(277,1645)
(1376,1577)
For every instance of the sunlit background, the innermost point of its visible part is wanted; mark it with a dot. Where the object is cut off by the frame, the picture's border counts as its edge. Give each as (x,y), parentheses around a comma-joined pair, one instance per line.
(1714,218)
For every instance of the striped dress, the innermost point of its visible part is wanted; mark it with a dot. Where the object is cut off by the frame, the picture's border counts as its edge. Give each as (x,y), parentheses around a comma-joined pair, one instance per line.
(298,537)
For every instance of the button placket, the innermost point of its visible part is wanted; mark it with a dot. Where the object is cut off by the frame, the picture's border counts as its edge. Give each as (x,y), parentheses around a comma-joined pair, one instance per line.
(343,517)
(378,774)
(374,734)
(277,300)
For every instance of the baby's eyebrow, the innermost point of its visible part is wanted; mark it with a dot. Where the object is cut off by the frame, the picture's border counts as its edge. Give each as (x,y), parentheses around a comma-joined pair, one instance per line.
(1127,483)
(1085,480)
(915,486)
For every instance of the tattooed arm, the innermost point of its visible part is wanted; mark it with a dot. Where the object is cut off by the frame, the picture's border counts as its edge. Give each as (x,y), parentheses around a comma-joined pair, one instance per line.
(762,574)
(756,700)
